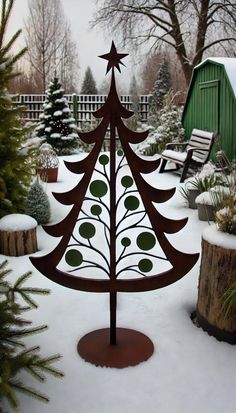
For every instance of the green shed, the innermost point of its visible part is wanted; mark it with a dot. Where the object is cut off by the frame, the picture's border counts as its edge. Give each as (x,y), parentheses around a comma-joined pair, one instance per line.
(211,102)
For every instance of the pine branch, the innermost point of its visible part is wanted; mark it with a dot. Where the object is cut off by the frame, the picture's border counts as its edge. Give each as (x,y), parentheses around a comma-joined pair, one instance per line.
(24,292)
(29,391)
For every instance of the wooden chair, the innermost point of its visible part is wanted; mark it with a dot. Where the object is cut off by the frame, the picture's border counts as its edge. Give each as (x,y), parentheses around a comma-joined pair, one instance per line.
(194,153)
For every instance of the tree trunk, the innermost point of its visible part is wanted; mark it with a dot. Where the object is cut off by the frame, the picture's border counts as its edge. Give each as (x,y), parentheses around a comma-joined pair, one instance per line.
(17,243)
(217,274)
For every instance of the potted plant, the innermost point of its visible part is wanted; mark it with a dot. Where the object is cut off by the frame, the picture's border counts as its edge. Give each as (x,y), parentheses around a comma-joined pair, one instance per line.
(47,163)
(200,183)
(216,306)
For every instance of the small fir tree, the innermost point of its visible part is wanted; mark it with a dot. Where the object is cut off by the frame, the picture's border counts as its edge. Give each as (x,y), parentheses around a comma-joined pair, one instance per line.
(56,125)
(133,92)
(15,357)
(37,204)
(89,85)
(15,169)
(170,128)
(161,87)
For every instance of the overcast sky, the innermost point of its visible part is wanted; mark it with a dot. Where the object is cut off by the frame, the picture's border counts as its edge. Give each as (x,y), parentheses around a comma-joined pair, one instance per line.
(91,42)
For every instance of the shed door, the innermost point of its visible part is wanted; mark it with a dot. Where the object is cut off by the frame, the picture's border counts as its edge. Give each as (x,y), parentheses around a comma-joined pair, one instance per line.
(209,105)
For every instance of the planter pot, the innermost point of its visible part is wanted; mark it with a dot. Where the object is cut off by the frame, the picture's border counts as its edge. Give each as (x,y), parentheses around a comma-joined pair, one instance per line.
(217,274)
(205,212)
(48,174)
(192,195)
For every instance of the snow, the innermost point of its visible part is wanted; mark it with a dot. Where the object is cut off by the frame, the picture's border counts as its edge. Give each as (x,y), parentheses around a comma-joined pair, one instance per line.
(57,113)
(230,67)
(189,370)
(204,198)
(61,100)
(55,135)
(17,222)
(58,91)
(177,155)
(47,105)
(221,239)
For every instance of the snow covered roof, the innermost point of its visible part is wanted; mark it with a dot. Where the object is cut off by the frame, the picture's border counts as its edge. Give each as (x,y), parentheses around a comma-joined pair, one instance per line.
(229,64)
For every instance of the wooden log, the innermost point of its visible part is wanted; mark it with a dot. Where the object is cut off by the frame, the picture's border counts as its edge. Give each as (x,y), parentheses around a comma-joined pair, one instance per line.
(217,274)
(20,241)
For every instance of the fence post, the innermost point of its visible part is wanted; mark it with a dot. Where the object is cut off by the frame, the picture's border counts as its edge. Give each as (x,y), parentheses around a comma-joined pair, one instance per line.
(75,107)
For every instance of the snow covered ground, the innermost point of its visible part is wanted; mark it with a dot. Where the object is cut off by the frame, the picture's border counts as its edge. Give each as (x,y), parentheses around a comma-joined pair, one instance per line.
(189,372)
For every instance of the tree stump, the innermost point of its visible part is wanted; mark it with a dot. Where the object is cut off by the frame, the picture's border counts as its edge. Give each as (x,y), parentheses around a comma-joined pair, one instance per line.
(217,274)
(18,235)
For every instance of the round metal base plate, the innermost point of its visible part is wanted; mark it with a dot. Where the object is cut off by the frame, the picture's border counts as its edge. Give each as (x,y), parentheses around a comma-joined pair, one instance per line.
(131,348)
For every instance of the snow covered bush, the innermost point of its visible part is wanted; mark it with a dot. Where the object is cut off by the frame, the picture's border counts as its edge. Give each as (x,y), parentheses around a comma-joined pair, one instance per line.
(170,128)
(47,157)
(56,125)
(150,145)
(224,199)
(226,212)
(37,204)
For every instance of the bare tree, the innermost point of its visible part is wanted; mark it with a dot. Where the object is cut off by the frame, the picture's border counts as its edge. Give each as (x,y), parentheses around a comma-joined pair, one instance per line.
(48,39)
(68,63)
(191,27)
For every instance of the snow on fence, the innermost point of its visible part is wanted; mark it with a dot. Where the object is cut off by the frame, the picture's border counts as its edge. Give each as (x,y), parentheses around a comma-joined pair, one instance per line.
(81,106)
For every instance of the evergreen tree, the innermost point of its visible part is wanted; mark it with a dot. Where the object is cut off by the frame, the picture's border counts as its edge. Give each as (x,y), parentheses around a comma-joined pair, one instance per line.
(133,92)
(132,123)
(15,170)
(14,356)
(37,204)
(161,86)
(89,85)
(56,124)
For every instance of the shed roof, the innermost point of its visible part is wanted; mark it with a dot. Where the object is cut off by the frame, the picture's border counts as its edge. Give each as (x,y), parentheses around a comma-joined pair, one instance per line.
(229,64)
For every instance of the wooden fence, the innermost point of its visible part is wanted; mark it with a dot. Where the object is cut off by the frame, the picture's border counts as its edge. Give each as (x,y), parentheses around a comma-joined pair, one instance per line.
(81,106)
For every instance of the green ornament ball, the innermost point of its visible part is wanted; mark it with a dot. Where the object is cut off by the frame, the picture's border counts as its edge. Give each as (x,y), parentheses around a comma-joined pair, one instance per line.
(145,265)
(87,230)
(125,242)
(127,181)
(96,210)
(98,188)
(104,159)
(146,241)
(120,152)
(131,203)
(73,258)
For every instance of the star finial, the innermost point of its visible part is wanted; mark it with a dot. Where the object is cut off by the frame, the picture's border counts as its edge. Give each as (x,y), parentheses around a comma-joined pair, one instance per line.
(114,58)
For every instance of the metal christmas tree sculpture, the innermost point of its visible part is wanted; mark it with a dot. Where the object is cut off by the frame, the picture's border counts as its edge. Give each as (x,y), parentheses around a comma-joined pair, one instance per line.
(115,221)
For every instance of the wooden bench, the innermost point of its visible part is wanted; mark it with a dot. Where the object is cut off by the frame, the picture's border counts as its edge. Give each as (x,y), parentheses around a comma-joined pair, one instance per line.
(194,153)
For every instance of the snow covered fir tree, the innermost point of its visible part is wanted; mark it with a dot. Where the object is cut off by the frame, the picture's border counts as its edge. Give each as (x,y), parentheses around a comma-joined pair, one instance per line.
(161,86)
(57,127)
(15,169)
(169,129)
(89,85)
(37,203)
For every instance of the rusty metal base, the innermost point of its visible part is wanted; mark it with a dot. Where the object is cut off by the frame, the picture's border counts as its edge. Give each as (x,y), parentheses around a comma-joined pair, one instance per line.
(132,348)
